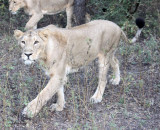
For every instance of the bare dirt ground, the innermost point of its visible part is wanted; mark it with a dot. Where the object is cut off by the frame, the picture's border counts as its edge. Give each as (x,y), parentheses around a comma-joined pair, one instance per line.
(134,104)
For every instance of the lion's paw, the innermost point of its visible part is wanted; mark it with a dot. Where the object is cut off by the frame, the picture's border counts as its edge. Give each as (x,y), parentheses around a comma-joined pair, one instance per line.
(115,81)
(95,100)
(30,110)
(56,107)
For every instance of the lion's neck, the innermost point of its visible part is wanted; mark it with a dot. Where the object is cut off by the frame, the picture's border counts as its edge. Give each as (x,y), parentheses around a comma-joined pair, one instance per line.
(50,55)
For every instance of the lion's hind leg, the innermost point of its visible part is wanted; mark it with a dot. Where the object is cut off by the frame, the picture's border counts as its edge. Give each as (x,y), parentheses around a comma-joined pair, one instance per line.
(103,69)
(116,72)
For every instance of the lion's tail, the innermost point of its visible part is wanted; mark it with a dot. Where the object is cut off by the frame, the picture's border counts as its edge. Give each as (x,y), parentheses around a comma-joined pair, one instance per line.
(140,23)
(124,37)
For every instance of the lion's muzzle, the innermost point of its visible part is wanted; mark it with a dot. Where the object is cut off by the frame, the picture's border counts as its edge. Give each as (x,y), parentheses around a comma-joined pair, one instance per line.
(27,58)
(28,62)
(13,12)
(28,55)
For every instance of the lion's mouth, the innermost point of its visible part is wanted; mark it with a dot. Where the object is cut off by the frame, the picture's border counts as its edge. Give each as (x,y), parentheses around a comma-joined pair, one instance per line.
(28,62)
(13,12)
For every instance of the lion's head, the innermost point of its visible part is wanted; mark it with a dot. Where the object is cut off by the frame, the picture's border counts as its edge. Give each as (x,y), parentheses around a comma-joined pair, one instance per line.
(32,43)
(15,5)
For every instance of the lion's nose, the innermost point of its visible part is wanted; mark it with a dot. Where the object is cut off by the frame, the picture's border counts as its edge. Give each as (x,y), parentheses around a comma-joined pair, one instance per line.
(28,55)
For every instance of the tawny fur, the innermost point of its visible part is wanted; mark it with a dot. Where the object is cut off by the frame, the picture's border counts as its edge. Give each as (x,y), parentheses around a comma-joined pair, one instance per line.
(37,8)
(61,50)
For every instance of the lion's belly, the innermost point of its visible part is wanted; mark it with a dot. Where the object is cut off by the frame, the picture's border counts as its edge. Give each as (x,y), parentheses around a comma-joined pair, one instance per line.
(53,11)
(78,61)
(54,7)
(81,57)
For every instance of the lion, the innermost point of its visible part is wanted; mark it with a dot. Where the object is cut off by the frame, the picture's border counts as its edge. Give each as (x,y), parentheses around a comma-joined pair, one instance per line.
(61,51)
(38,8)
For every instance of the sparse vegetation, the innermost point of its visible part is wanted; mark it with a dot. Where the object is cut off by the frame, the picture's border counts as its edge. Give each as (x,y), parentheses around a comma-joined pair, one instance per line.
(134,104)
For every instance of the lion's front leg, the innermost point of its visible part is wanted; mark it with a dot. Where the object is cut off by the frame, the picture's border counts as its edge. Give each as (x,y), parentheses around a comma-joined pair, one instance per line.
(59,105)
(32,23)
(69,11)
(35,105)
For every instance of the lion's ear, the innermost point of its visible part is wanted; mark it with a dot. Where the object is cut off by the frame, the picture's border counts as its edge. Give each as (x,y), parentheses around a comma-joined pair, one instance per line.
(44,34)
(18,34)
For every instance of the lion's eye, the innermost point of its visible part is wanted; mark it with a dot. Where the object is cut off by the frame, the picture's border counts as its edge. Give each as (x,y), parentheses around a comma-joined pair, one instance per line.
(23,42)
(14,2)
(36,42)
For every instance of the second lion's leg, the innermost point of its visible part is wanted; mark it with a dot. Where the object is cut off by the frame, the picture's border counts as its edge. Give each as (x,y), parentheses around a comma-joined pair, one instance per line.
(87,18)
(103,69)
(35,27)
(69,12)
(32,23)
